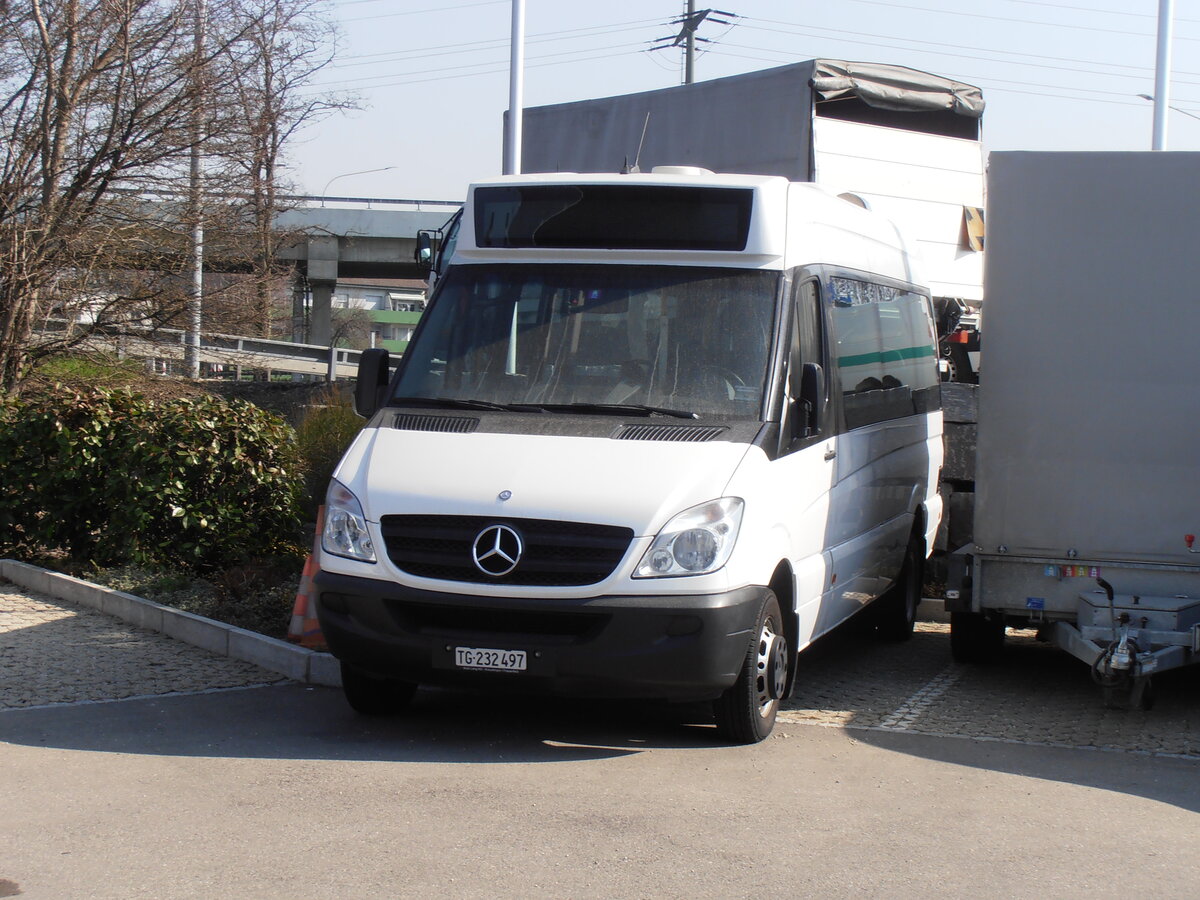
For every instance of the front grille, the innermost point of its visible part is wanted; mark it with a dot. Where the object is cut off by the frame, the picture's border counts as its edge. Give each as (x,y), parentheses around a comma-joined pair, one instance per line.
(555,553)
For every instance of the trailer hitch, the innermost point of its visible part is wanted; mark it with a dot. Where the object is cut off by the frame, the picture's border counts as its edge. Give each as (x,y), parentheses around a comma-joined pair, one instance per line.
(1115,669)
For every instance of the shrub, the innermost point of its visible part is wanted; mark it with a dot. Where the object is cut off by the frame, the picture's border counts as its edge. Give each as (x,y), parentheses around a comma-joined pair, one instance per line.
(114,477)
(325,431)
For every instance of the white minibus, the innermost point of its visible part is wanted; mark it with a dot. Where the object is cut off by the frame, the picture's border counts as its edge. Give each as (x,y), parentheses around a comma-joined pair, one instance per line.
(654,435)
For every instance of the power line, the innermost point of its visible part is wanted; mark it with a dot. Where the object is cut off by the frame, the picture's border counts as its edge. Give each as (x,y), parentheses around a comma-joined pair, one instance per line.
(436,9)
(855,39)
(351,81)
(805,33)
(502,68)
(496,67)
(373,59)
(1093,10)
(980,81)
(954,12)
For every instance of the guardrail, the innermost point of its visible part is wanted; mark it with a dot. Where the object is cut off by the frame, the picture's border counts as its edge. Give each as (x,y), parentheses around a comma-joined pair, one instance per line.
(222,349)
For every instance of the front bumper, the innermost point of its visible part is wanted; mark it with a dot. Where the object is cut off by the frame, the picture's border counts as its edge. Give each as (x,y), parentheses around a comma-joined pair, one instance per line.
(687,647)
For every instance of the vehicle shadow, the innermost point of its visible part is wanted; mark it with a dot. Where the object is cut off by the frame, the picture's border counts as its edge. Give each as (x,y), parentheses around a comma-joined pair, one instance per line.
(300,722)
(1037,713)
(74,679)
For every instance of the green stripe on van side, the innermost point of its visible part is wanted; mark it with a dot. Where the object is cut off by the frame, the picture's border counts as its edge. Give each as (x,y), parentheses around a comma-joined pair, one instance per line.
(886,356)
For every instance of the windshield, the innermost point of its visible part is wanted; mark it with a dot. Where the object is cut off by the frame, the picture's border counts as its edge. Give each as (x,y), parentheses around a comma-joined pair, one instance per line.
(598,339)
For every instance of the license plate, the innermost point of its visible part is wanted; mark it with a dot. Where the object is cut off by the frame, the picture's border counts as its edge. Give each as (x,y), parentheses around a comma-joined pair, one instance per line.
(489,660)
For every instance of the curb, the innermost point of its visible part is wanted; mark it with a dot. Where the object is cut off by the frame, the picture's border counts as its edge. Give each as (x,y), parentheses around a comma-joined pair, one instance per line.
(297,663)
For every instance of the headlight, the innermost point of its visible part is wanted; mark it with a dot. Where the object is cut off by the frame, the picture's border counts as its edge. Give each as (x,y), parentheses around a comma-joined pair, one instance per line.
(345,529)
(695,542)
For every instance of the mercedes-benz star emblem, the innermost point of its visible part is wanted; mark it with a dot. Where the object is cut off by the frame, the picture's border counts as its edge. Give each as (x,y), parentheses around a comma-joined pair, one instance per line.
(497,550)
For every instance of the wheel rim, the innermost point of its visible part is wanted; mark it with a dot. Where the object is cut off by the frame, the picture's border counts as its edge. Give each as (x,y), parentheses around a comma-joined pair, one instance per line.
(771,668)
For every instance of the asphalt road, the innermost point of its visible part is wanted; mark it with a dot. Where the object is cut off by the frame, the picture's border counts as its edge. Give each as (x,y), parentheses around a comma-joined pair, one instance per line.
(893,773)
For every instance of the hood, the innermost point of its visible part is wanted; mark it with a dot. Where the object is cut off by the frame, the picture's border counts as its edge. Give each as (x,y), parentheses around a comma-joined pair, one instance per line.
(637,484)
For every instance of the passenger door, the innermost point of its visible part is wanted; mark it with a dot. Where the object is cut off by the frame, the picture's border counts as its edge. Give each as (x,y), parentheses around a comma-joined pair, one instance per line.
(882,377)
(805,468)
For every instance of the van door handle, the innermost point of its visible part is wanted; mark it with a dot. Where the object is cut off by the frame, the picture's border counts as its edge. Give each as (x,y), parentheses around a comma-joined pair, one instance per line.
(830,453)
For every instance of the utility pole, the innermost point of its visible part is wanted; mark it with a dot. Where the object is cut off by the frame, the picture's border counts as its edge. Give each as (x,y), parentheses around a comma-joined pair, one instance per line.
(191,349)
(1162,75)
(686,38)
(516,89)
(691,23)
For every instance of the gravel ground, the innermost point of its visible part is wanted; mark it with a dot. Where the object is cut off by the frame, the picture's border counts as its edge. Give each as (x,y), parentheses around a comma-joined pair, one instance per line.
(54,652)
(1037,695)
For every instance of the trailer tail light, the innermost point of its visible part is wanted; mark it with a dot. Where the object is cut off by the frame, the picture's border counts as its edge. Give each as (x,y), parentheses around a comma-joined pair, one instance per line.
(1189,539)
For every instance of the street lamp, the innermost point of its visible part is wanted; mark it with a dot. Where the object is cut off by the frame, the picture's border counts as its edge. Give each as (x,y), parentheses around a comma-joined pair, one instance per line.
(325,190)
(1176,108)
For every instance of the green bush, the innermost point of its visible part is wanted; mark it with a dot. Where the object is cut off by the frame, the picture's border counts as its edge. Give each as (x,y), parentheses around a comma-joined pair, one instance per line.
(114,477)
(325,431)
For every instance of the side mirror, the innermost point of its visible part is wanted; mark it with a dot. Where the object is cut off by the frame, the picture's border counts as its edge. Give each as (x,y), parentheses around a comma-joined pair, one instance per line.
(424,251)
(372,381)
(811,405)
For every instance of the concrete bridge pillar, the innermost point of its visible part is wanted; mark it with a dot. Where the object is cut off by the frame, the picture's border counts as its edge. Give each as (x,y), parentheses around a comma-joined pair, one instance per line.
(320,323)
(322,276)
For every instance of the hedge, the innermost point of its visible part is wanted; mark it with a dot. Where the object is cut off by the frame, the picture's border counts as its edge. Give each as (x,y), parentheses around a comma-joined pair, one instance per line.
(113,477)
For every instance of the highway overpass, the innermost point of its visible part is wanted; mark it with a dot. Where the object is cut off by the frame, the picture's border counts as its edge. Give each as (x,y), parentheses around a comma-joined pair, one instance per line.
(356,238)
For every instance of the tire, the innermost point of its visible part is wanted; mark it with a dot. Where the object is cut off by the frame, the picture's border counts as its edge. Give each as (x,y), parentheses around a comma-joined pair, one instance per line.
(746,712)
(370,696)
(898,607)
(976,638)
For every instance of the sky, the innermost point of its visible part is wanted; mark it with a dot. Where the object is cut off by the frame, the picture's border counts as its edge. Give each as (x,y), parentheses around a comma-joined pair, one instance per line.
(432,76)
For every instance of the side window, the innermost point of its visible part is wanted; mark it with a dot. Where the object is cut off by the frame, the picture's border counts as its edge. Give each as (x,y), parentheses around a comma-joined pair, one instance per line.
(885,355)
(449,242)
(806,345)
(909,345)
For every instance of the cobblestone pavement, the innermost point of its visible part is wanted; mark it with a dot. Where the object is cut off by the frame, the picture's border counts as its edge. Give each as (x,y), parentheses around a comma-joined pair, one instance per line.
(1037,695)
(53,652)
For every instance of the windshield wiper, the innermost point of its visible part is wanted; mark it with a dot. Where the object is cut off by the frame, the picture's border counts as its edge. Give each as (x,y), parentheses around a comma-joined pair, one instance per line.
(460,403)
(600,409)
(608,409)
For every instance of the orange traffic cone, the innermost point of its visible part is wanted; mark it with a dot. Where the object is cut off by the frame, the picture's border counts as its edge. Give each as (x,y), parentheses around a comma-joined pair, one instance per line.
(305,630)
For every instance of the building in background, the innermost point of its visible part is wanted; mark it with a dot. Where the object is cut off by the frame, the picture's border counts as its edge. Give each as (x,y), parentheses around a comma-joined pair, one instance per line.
(392,307)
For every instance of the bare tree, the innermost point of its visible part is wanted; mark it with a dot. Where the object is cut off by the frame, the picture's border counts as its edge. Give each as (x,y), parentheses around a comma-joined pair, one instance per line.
(351,327)
(277,56)
(80,114)
(99,106)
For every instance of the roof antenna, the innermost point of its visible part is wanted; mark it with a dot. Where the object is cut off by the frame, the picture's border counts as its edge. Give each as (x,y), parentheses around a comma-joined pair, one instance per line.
(627,169)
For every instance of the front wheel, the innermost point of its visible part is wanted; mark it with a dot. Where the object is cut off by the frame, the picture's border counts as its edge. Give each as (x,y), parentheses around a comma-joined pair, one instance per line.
(746,712)
(369,696)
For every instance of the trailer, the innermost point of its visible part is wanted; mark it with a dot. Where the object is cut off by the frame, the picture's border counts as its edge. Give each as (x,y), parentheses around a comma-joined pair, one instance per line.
(1087,474)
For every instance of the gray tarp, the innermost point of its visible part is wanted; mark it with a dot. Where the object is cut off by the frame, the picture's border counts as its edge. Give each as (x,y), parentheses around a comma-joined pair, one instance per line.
(760,122)
(894,87)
